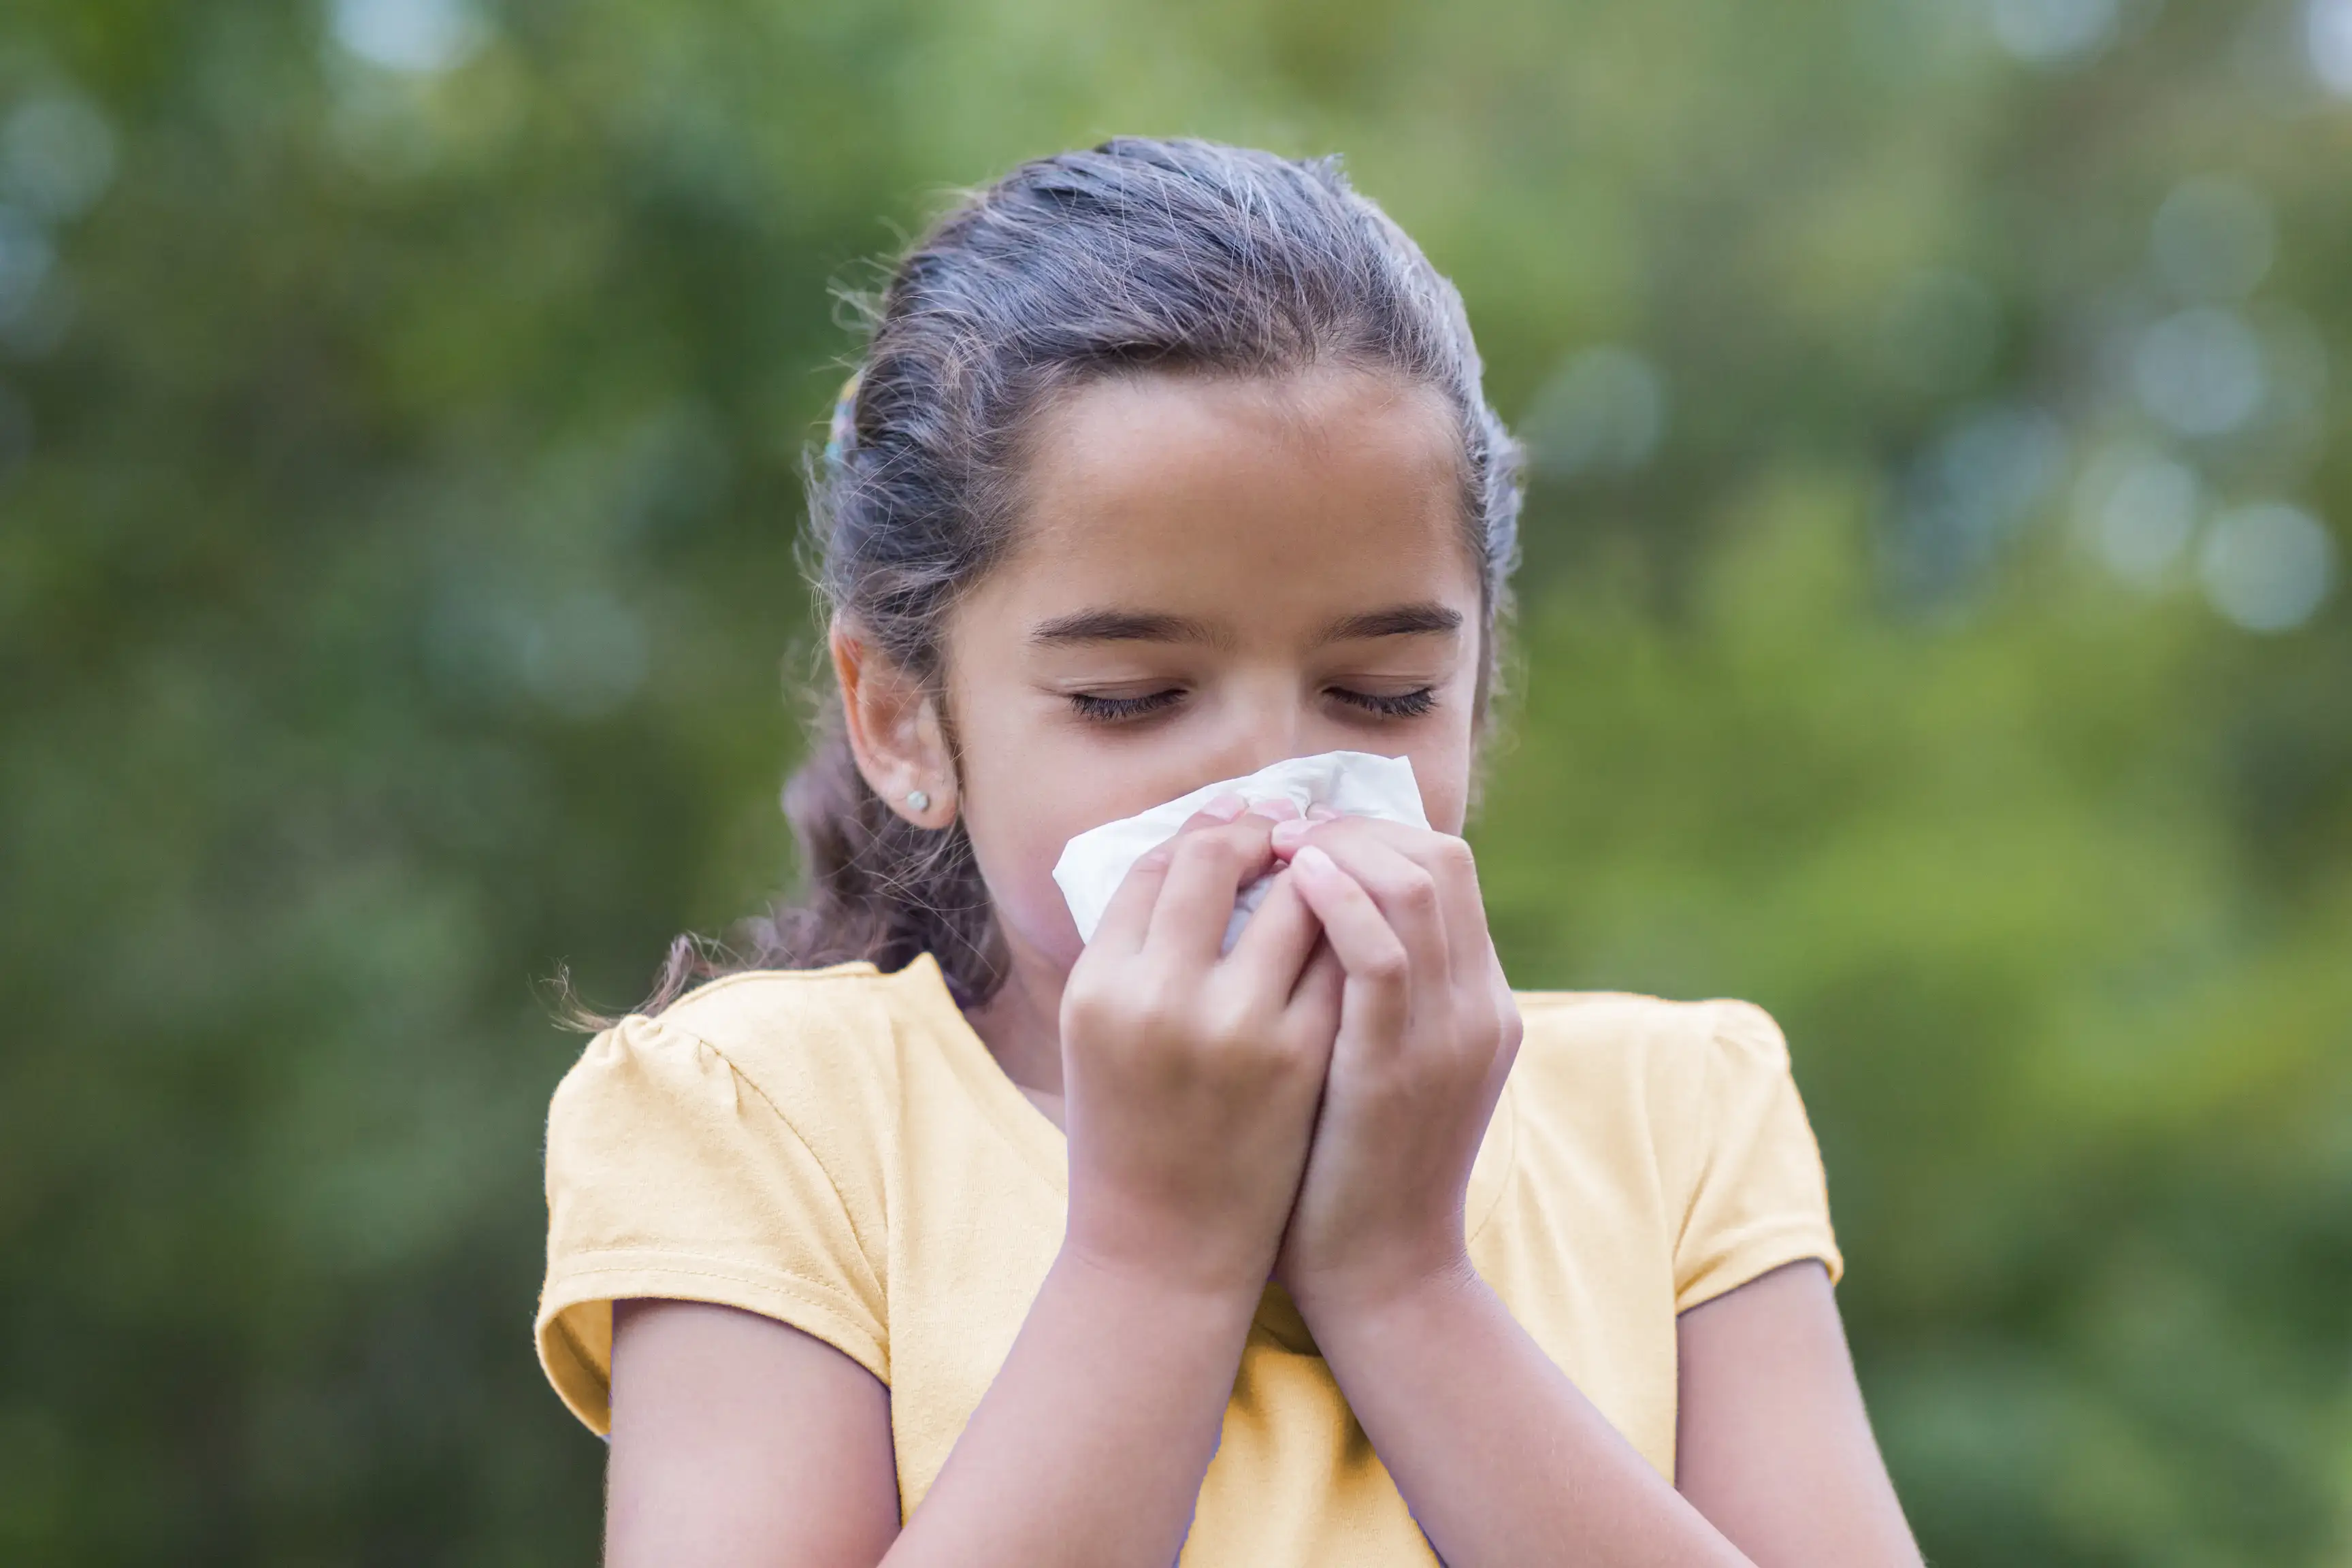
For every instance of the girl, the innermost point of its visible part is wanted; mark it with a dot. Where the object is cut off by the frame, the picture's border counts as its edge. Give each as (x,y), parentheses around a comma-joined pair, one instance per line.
(932,1237)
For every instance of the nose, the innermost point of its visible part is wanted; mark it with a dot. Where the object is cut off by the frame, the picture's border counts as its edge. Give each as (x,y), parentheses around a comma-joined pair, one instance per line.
(1268,721)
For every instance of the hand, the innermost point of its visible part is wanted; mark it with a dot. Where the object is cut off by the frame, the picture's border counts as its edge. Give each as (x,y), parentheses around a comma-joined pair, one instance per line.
(1428,1030)
(1190,1080)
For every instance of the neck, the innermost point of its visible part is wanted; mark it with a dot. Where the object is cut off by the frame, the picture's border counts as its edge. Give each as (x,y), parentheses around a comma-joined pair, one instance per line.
(1020,1026)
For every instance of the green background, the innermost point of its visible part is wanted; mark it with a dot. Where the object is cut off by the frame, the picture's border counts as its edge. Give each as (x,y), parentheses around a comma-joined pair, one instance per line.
(400,402)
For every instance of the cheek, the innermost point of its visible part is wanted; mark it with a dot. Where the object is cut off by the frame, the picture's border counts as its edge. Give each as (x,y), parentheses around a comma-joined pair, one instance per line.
(1442,750)
(1442,769)
(1022,799)
(1016,859)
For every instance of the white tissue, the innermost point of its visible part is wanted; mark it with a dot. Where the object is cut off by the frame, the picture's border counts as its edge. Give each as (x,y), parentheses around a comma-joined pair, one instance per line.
(1353,783)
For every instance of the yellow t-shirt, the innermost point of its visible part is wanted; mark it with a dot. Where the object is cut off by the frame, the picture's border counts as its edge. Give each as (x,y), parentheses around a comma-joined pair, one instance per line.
(837,1149)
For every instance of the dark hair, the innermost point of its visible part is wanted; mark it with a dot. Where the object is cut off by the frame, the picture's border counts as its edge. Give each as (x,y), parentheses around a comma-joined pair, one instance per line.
(1177,256)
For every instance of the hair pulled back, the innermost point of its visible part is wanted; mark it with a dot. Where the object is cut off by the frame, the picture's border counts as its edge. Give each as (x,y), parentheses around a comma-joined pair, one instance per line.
(1139,256)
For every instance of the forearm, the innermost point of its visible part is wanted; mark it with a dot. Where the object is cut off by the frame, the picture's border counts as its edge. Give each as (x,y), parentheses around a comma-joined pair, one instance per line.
(1090,1446)
(1502,1459)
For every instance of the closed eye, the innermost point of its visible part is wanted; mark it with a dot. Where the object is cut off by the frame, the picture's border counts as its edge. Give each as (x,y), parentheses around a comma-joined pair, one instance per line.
(1402,705)
(1116,710)
(1111,710)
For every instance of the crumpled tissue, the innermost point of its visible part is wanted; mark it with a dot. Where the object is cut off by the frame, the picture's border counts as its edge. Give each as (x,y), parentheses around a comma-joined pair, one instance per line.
(1353,783)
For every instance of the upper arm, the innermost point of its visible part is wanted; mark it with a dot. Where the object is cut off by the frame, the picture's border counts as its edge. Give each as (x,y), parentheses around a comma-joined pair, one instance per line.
(1772,1444)
(672,1175)
(738,1440)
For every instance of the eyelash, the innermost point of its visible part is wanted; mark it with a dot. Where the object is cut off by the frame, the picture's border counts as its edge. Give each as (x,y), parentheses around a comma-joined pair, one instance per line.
(1115,709)
(1112,710)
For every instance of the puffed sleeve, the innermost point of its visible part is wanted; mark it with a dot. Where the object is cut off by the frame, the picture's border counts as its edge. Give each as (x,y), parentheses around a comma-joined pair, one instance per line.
(671,1175)
(1759,1199)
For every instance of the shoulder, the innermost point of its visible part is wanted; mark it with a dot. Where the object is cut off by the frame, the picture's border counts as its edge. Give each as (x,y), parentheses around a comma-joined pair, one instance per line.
(1657,1080)
(829,1038)
(818,1048)
(843,1018)
(1616,1031)
(730,1148)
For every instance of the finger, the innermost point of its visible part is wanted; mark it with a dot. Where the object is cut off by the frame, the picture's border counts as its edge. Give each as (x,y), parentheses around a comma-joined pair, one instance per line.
(1274,944)
(1223,808)
(1127,917)
(1314,1005)
(1483,1011)
(1205,873)
(1407,896)
(1448,861)
(1379,968)
(1418,843)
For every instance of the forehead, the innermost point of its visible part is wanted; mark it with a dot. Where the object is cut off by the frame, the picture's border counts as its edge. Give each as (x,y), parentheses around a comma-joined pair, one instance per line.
(1243,498)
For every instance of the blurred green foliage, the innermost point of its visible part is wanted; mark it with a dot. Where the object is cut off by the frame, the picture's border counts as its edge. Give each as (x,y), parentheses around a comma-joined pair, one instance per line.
(399,409)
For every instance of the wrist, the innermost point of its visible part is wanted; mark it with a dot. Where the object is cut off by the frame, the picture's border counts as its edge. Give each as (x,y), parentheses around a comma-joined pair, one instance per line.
(1340,1305)
(1201,1251)
(1142,1289)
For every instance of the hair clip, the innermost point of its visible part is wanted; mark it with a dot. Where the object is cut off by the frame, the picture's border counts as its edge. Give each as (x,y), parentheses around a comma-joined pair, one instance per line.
(840,432)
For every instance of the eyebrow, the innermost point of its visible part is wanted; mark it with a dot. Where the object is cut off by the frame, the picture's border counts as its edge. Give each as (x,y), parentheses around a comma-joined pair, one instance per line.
(1149,625)
(1122,625)
(1396,621)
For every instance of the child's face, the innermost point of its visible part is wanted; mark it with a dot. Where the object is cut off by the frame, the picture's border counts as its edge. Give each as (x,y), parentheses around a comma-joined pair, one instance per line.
(1211,575)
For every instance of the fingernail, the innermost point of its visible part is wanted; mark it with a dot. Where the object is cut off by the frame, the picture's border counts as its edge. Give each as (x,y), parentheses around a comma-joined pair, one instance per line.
(1321,814)
(1292,832)
(1278,809)
(1314,860)
(1225,807)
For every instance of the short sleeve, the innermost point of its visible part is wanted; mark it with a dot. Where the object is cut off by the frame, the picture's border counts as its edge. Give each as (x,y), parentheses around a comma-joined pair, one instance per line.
(1761,1198)
(670,1174)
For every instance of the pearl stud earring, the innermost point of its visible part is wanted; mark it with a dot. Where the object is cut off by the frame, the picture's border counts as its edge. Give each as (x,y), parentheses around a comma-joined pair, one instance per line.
(919,800)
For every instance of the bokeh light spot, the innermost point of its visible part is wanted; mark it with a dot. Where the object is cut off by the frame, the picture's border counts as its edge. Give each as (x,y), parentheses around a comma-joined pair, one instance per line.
(2053,32)
(2328,31)
(418,36)
(2200,372)
(25,257)
(57,156)
(1604,410)
(2267,567)
(2138,508)
(1968,495)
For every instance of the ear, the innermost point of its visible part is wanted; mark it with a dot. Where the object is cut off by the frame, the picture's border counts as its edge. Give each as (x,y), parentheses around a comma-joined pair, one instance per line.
(894,730)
